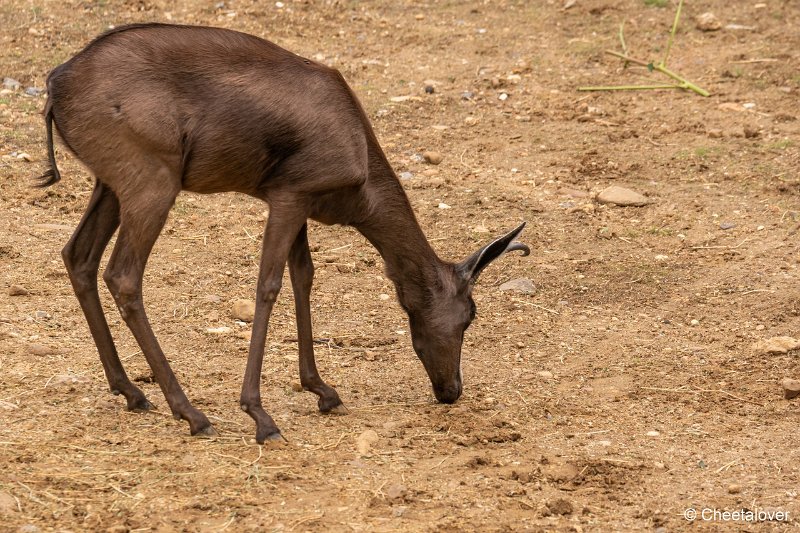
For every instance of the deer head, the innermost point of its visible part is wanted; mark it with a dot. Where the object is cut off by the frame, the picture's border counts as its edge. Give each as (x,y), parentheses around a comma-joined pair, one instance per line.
(440,313)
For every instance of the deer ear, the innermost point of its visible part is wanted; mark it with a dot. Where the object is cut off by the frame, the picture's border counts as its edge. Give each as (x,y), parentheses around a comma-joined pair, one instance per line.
(471,267)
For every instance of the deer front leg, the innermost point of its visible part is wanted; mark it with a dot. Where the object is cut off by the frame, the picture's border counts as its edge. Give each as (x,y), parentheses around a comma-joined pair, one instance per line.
(283,225)
(301,269)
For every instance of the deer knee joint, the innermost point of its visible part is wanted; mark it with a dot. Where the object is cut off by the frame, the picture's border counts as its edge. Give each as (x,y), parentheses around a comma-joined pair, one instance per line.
(127,295)
(268,291)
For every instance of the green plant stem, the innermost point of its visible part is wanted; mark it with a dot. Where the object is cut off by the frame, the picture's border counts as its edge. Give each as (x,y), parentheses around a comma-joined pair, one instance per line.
(672,33)
(684,83)
(628,87)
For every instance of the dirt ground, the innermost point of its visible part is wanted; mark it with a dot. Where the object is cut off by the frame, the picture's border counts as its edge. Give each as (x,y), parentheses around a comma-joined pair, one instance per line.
(624,390)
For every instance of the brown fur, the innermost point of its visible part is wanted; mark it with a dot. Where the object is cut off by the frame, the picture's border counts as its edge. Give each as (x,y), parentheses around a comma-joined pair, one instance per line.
(154,109)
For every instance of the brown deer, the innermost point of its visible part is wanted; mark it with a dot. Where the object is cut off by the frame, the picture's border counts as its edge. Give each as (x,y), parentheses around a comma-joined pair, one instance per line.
(154,109)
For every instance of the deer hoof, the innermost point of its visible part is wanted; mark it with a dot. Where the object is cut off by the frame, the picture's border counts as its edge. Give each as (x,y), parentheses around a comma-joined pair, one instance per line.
(207,431)
(272,439)
(339,410)
(141,405)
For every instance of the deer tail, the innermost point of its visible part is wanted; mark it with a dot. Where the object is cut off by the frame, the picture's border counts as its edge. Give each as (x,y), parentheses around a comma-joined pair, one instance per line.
(51,176)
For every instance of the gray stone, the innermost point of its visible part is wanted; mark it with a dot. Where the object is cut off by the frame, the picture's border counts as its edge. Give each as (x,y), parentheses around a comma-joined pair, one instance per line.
(11,83)
(523,285)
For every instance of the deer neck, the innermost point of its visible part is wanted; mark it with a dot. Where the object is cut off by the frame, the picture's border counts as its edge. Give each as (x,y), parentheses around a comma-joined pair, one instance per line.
(393,230)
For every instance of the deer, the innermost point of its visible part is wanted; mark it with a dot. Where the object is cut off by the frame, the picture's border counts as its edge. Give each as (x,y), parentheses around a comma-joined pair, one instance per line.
(155,109)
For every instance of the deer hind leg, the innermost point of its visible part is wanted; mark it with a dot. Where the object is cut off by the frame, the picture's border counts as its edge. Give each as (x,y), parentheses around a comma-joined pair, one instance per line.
(286,218)
(82,256)
(301,269)
(142,217)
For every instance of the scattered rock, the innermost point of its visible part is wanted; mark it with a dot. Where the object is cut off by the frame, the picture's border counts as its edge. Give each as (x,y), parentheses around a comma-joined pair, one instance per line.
(471,121)
(219,331)
(42,315)
(39,350)
(707,22)
(7,504)
(33,91)
(433,158)
(25,157)
(296,386)
(11,84)
(17,290)
(546,374)
(621,196)
(791,388)
(560,473)
(406,175)
(443,205)
(429,89)
(365,441)
(467,95)
(560,506)
(734,488)
(727,225)
(523,285)
(751,132)
(244,310)
(396,493)
(28,528)
(714,133)
(67,379)
(653,433)
(694,322)
(776,345)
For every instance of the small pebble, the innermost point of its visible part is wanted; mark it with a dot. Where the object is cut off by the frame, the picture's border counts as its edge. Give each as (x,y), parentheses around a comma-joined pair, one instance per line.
(383,297)
(734,488)
(727,225)
(470,121)
(17,290)
(7,503)
(503,96)
(707,22)
(219,331)
(296,386)
(33,91)
(433,158)
(42,314)
(24,156)
(467,95)
(396,493)
(406,175)
(561,506)
(545,374)
(523,285)
(443,205)
(39,350)
(791,388)
(11,84)
(244,310)
(365,441)
(621,196)
(653,433)
(776,345)
(28,528)
(429,89)
(67,379)
(694,322)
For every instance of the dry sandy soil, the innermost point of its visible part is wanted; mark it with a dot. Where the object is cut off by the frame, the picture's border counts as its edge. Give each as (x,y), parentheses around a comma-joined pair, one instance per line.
(622,391)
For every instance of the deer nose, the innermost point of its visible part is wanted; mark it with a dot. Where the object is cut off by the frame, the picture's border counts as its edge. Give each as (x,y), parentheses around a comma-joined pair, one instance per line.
(448,393)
